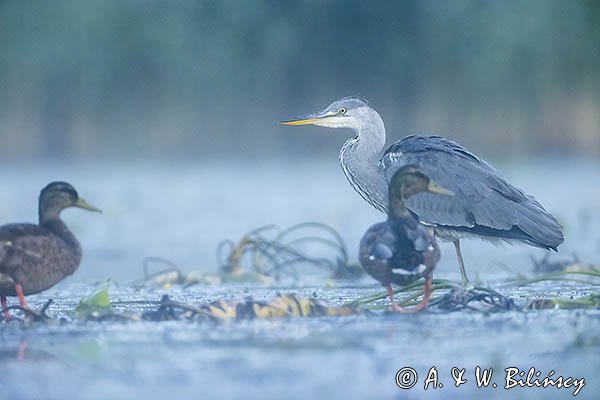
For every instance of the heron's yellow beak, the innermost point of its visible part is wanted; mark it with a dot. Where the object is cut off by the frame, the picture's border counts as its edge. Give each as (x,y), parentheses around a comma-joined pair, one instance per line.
(435,188)
(300,121)
(309,119)
(81,203)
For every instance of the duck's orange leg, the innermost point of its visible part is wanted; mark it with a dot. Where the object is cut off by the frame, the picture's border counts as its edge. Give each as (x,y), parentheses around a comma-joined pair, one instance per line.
(21,296)
(426,295)
(5,308)
(394,306)
(422,305)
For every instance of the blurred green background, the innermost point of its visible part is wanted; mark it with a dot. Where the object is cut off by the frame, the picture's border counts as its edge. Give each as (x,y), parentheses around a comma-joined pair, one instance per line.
(133,79)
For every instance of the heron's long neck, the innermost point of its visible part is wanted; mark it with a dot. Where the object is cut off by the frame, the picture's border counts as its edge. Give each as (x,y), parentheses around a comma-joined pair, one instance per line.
(360,161)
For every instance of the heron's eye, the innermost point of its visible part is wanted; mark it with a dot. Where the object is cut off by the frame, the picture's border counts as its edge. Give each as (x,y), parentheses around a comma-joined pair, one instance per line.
(342,111)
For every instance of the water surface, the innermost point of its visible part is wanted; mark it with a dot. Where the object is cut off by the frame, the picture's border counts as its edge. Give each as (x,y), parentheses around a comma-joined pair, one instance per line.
(182,211)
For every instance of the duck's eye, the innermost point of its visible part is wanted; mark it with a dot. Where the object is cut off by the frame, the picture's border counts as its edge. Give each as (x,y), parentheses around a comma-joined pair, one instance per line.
(342,111)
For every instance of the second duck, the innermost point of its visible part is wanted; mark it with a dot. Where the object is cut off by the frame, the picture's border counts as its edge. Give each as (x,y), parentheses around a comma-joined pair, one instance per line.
(401,250)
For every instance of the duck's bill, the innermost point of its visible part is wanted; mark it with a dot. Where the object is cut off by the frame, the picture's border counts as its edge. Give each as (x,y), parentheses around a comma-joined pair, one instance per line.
(435,188)
(81,203)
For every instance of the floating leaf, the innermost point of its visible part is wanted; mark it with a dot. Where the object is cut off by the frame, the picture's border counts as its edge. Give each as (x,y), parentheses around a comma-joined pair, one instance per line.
(283,305)
(591,301)
(97,304)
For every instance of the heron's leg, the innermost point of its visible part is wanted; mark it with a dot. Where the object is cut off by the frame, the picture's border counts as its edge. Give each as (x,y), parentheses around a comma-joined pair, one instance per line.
(5,308)
(21,296)
(461,264)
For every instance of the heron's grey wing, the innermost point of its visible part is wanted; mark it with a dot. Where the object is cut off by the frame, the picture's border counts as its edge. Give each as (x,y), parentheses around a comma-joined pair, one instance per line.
(484,202)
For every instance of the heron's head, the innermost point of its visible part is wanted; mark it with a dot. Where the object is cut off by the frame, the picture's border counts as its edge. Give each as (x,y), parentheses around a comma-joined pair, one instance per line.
(349,112)
(57,196)
(410,180)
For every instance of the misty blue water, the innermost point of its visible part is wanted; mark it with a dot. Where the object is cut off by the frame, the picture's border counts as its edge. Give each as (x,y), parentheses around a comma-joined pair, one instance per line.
(181,211)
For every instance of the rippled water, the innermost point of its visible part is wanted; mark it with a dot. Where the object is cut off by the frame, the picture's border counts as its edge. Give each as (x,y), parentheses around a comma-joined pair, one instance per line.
(181,212)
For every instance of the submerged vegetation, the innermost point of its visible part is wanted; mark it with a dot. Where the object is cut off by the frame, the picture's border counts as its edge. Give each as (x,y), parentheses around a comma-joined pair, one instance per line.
(448,296)
(452,296)
(278,253)
(267,255)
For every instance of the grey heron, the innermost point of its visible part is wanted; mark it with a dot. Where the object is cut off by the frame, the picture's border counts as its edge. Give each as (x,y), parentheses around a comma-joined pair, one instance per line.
(401,250)
(485,204)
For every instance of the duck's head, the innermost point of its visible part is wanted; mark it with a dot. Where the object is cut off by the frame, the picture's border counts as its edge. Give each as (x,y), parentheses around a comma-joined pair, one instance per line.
(57,196)
(410,180)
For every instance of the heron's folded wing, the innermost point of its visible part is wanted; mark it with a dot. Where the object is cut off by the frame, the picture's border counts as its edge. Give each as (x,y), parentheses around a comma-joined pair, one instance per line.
(482,196)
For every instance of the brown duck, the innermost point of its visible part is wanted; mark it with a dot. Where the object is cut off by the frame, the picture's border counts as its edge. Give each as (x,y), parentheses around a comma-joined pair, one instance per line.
(401,250)
(33,257)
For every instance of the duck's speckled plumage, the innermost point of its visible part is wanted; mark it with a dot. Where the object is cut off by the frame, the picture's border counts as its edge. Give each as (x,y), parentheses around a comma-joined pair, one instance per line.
(398,251)
(36,257)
